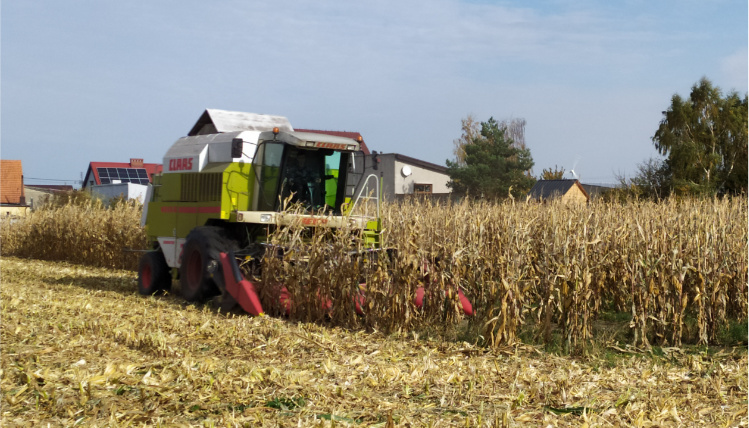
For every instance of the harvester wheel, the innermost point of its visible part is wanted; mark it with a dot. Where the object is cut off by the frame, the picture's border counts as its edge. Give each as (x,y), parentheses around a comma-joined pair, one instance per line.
(153,274)
(200,254)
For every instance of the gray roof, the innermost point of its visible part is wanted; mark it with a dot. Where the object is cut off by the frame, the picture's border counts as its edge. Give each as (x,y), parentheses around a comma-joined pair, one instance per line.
(549,189)
(595,190)
(214,121)
(417,162)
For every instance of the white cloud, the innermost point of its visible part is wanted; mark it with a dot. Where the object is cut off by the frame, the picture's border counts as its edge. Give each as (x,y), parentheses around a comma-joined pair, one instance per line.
(445,32)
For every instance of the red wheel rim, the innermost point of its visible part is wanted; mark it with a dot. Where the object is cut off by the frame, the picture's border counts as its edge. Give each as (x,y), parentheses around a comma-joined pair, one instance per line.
(194,269)
(145,276)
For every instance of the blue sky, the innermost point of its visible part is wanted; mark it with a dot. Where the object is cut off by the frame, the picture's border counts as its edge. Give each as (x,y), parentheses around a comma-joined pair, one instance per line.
(84,81)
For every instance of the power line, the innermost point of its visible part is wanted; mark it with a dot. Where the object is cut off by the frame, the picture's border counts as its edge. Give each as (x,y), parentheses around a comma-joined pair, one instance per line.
(47,179)
(50,179)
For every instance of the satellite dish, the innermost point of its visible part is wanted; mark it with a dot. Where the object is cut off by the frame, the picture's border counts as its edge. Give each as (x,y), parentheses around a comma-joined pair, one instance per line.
(406,170)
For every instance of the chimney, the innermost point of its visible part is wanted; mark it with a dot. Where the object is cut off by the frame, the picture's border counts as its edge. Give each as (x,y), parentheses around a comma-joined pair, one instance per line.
(136,163)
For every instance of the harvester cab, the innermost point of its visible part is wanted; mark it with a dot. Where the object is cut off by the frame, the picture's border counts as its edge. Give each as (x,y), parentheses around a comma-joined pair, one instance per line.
(228,184)
(294,168)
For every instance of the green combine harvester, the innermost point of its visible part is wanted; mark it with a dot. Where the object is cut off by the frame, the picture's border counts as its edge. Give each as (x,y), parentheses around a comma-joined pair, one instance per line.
(224,188)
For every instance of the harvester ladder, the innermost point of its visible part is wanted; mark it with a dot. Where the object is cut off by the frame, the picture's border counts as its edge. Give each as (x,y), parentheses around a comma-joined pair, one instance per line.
(369,197)
(371,236)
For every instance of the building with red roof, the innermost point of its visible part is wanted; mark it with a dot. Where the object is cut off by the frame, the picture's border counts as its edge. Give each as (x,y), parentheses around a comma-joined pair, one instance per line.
(135,172)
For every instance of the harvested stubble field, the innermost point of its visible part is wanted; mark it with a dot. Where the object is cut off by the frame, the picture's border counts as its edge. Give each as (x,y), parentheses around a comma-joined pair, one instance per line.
(80,347)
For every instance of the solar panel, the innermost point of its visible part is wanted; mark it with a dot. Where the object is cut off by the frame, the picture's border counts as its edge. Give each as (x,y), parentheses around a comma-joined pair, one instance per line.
(125,175)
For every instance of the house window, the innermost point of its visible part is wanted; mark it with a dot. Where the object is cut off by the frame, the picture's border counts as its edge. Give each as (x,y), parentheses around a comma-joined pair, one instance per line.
(422,189)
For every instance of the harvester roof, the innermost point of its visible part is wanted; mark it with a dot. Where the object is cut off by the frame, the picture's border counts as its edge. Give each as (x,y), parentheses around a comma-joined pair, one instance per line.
(214,121)
(313,140)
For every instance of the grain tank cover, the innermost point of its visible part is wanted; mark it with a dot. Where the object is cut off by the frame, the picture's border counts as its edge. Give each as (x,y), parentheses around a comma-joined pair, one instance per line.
(214,121)
(193,154)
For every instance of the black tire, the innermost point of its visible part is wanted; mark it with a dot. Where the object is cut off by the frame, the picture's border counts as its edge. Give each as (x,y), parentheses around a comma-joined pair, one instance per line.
(153,274)
(202,249)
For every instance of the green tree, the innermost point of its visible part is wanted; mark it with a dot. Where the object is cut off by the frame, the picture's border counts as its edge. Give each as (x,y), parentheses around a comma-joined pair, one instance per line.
(514,130)
(704,139)
(493,166)
(555,174)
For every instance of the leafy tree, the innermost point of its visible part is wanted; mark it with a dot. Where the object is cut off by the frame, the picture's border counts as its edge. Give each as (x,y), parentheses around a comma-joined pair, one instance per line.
(494,167)
(556,174)
(704,139)
(471,129)
(514,130)
(652,178)
(651,181)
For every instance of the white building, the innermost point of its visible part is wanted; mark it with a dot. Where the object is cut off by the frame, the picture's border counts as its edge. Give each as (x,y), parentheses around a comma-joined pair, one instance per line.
(404,176)
(106,192)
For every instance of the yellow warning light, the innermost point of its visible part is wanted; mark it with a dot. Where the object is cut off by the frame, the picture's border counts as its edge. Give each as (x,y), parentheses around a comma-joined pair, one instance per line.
(360,139)
(275,130)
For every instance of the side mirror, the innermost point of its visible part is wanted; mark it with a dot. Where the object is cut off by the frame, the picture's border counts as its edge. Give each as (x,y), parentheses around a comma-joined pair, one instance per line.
(236,147)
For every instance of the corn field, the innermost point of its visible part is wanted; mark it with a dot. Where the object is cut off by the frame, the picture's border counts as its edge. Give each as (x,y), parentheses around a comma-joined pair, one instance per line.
(677,268)
(85,233)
